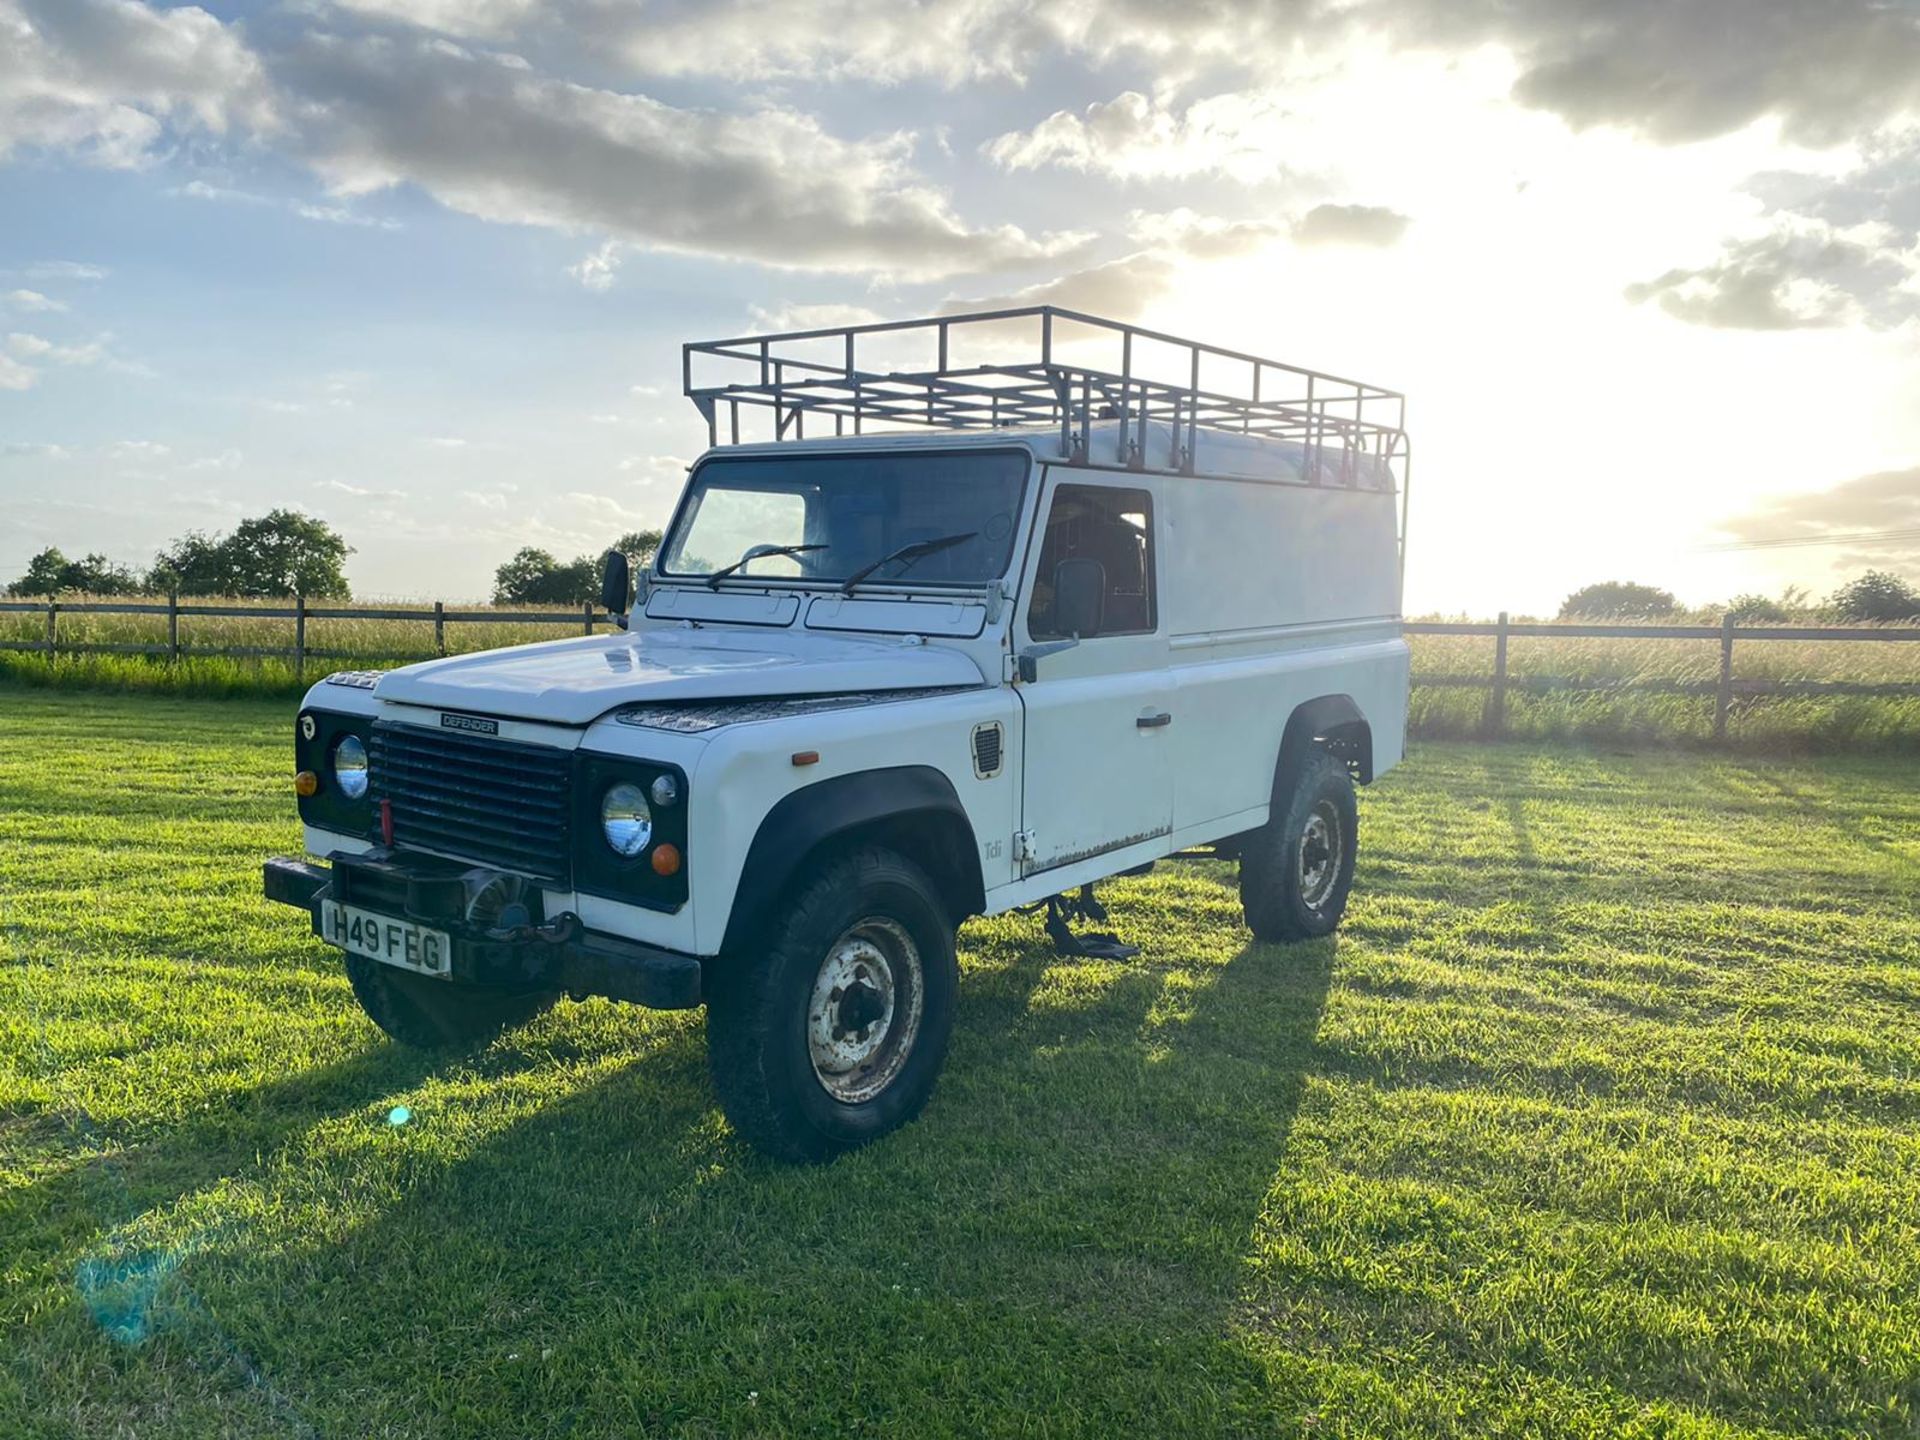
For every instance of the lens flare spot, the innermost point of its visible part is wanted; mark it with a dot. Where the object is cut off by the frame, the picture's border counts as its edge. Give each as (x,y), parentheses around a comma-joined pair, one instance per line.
(399,1116)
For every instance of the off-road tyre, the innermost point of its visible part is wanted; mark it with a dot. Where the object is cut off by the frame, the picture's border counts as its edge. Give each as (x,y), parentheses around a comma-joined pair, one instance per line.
(429,1014)
(763,1007)
(1283,894)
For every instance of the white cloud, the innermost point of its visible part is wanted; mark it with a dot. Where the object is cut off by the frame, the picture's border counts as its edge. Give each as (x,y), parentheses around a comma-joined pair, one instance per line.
(306,210)
(34,450)
(1802,275)
(444,442)
(341,215)
(595,270)
(811,317)
(31,302)
(1350,225)
(104,79)
(205,190)
(15,376)
(494,141)
(139,450)
(1239,134)
(1121,289)
(66,270)
(110,80)
(883,41)
(473,19)
(652,468)
(360,492)
(1204,237)
(37,347)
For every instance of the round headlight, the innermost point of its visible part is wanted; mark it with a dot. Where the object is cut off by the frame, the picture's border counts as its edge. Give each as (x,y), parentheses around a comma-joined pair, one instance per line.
(625,820)
(665,791)
(350,767)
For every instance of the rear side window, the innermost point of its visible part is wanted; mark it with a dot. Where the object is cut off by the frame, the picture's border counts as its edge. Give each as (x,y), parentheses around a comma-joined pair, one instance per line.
(1114,527)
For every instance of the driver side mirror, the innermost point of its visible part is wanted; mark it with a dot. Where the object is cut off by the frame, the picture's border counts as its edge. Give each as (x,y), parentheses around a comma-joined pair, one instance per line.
(616,583)
(1079,597)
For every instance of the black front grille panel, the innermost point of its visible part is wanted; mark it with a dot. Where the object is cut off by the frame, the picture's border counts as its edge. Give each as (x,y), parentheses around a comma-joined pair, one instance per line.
(494,802)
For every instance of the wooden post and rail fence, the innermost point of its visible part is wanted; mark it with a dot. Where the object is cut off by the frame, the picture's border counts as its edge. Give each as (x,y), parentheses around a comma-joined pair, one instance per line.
(1725,689)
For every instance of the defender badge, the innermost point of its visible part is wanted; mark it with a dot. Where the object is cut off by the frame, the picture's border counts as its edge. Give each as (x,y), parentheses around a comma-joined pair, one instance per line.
(472,724)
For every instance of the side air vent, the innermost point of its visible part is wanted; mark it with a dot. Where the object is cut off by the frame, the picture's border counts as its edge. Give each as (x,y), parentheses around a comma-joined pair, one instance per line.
(986,749)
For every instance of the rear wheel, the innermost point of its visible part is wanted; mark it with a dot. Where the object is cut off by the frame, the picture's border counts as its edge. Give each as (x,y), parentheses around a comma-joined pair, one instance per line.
(431,1014)
(833,1031)
(1296,870)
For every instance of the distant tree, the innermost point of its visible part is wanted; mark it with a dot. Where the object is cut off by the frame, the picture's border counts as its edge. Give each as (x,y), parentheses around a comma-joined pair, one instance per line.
(44,574)
(286,553)
(534,577)
(1877,595)
(195,564)
(1617,600)
(51,573)
(639,546)
(1756,610)
(277,554)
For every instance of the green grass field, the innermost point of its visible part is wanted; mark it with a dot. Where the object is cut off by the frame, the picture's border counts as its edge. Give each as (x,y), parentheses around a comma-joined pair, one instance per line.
(1601,1116)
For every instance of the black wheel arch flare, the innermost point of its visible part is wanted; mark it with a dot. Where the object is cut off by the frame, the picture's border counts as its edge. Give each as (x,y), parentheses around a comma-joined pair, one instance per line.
(913,808)
(1338,722)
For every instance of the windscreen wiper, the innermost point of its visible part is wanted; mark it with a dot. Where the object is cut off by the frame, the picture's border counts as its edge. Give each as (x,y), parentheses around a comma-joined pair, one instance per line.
(918,550)
(757,552)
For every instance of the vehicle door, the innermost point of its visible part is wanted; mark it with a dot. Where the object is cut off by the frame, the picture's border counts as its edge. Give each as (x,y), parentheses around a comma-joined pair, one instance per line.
(1097,776)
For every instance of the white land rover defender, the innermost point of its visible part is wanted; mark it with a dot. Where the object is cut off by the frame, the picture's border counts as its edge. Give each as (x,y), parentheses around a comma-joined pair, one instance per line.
(1086,616)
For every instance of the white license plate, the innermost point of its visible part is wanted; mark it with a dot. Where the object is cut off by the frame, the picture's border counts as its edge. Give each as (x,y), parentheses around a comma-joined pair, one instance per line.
(381,937)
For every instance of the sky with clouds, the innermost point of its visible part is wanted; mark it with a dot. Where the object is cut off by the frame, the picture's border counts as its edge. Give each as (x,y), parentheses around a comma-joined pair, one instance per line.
(1649,272)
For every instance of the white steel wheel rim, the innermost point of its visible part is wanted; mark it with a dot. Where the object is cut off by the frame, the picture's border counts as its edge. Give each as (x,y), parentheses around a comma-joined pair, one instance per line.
(1319,854)
(864,1013)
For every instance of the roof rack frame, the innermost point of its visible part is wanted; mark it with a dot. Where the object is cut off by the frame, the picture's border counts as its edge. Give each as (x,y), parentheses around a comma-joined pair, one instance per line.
(1324,412)
(1335,419)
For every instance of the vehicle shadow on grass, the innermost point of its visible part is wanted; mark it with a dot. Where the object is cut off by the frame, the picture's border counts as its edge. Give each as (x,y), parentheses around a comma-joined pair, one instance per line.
(1057,1245)
(97,1181)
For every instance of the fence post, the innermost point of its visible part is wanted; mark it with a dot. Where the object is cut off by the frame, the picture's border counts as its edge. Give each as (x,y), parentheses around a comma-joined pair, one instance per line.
(299,637)
(1496,717)
(173,625)
(586,615)
(53,609)
(1724,698)
(440,627)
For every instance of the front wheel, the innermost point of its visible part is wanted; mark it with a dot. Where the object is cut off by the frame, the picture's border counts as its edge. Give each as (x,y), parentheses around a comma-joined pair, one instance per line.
(1296,870)
(832,1033)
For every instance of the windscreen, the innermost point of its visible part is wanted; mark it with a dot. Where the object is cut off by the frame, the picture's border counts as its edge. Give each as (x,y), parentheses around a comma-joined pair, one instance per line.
(852,510)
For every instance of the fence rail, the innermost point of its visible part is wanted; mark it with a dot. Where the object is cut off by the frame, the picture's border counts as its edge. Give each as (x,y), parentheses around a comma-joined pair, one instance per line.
(1724,689)
(587,619)
(1499,683)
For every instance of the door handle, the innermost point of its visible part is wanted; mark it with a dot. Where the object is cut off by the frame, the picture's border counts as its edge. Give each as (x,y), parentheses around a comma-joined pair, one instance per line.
(1154,722)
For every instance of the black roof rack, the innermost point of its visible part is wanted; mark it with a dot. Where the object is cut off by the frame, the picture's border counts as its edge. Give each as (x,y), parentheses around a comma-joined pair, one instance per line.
(1050,380)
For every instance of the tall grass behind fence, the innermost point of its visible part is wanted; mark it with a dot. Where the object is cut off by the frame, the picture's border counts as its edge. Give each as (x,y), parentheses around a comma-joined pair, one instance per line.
(1783,686)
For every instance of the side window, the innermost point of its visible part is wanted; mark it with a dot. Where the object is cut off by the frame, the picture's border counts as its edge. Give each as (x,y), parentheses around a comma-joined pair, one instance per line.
(1113,527)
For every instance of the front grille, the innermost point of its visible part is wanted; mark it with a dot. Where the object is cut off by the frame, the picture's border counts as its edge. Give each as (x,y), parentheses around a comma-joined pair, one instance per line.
(494,802)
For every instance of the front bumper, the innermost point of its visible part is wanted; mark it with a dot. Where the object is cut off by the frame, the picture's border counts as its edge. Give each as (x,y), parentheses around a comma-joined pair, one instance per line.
(586,964)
